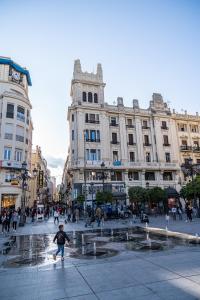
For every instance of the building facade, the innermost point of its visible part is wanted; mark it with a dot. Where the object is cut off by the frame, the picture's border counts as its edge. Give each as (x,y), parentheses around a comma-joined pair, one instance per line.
(15,131)
(139,147)
(41,181)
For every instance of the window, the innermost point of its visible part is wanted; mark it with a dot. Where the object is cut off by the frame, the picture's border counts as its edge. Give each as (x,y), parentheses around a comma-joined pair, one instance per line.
(132,156)
(130,139)
(113,121)
(7,153)
(149,176)
(18,155)
(167,157)
(165,140)
(10,111)
(133,175)
(72,117)
(184,142)
(20,113)
(93,154)
(198,161)
(90,97)
(129,122)
(167,176)
(114,138)
(95,98)
(92,118)
(9,177)
(145,124)
(164,125)
(196,144)
(8,131)
(84,97)
(194,128)
(148,157)
(116,176)
(115,156)
(182,127)
(27,117)
(146,140)
(19,133)
(72,135)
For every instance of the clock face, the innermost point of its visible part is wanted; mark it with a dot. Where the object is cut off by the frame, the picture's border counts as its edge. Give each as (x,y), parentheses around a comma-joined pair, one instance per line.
(16,75)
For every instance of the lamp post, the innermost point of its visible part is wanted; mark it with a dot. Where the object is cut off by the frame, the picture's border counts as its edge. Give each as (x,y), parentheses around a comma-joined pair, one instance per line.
(24,177)
(103,173)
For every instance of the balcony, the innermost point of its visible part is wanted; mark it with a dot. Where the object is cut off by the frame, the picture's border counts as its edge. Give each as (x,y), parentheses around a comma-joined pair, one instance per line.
(164,127)
(130,126)
(196,149)
(185,148)
(166,144)
(114,142)
(131,144)
(8,136)
(147,144)
(19,138)
(92,121)
(145,127)
(114,124)
(93,140)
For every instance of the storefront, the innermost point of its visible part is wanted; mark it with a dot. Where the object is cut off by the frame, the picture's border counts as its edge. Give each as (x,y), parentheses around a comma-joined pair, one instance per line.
(8,201)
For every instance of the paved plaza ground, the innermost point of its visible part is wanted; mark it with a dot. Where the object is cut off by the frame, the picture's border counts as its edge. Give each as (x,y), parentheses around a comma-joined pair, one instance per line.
(150,275)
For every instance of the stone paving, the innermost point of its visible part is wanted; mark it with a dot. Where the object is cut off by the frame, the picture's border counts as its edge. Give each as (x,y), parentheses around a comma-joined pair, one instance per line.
(171,274)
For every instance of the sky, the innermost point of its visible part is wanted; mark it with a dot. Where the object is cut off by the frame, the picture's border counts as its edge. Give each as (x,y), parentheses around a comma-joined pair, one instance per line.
(144,46)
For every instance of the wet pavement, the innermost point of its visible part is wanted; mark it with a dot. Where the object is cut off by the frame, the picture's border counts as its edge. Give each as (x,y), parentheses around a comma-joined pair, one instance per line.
(38,250)
(113,263)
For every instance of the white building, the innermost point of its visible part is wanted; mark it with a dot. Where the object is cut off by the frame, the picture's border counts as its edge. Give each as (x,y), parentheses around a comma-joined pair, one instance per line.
(139,147)
(15,130)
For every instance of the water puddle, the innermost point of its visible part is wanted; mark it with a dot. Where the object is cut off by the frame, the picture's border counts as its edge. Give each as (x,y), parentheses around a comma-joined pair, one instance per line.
(33,250)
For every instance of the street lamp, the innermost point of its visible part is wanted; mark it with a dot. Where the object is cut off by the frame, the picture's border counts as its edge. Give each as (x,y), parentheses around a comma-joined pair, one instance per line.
(104,175)
(24,177)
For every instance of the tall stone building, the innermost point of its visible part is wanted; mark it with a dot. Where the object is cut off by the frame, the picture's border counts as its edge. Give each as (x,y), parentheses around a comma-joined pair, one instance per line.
(138,147)
(15,131)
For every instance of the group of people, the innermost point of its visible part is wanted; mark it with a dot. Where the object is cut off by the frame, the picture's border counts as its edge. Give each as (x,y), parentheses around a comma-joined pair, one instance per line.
(72,215)
(9,220)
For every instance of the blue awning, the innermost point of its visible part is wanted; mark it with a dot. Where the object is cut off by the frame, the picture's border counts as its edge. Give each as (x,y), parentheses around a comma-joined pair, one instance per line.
(7,61)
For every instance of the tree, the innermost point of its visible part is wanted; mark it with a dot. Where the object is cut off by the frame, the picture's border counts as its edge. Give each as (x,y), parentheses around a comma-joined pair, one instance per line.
(103,197)
(157,195)
(80,199)
(137,194)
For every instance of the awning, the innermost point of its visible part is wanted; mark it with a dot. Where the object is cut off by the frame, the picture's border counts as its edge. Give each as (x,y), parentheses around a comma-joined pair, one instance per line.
(172,192)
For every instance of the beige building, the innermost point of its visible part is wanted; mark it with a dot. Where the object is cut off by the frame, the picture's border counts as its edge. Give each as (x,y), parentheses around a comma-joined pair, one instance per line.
(15,131)
(139,147)
(40,184)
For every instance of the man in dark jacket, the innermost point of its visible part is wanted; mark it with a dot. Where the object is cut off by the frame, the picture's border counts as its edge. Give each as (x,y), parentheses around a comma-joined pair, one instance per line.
(61,237)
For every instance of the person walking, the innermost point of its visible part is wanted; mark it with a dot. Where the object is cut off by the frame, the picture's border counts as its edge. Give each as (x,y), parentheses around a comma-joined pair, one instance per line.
(61,238)
(14,220)
(3,222)
(56,215)
(77,214)
(98,216)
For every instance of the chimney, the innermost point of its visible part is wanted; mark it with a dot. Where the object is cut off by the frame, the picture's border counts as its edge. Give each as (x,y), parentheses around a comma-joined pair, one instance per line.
(135,103)
(120,101)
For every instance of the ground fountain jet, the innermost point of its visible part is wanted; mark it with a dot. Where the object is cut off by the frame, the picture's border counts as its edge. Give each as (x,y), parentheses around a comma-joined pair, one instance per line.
(82,239)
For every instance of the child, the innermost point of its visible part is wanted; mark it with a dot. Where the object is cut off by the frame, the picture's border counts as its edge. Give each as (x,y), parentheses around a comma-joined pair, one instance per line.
(61,237)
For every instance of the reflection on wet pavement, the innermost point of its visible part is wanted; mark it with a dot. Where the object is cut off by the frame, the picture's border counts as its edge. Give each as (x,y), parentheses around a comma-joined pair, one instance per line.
(33,250)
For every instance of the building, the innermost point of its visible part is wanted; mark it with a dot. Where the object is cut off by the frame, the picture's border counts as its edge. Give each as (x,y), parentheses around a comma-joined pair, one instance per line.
(40,183)
(138,147)
(15,131)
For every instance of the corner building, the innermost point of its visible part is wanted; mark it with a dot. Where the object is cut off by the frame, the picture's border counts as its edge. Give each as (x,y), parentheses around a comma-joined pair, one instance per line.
(15,131)
(139,147)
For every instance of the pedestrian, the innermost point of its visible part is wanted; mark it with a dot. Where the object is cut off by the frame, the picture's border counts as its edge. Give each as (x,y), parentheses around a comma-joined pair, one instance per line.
(174,210)
(179,211)
(3,221)
(167,219)
(77,214)
(56,215)
(98,216)
(61,238)
(189,213)
(14,220)
(8,220)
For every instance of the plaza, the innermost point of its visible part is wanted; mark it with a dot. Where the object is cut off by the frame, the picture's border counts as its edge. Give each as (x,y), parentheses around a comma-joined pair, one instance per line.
(170,274)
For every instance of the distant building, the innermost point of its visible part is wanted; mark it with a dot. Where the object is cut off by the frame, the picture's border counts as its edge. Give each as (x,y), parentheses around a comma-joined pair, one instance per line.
(15,131)
(138,147)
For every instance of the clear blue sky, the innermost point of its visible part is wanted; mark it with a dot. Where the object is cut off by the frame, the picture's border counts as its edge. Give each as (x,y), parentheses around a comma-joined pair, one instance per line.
(144,47)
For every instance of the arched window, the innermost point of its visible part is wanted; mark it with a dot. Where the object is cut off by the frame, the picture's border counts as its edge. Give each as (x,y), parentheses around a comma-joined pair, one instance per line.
(95,98)
(89,97)
(84,96)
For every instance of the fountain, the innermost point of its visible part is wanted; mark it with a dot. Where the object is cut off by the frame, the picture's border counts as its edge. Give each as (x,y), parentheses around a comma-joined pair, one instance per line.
(94,248)
(82,239)
(83,250)
(127,236)
(166,228)
(111,232)
(74,234)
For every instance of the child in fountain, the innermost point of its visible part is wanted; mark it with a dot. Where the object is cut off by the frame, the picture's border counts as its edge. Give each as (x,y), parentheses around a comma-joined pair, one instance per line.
(61,238)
